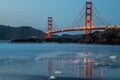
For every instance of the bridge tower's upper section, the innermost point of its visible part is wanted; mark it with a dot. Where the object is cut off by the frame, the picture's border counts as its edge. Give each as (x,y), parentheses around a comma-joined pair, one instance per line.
(88,17)
(49,33)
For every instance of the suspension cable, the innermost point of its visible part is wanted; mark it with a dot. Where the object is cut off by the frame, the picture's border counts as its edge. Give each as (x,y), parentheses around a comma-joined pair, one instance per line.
(77,18)
(101,17)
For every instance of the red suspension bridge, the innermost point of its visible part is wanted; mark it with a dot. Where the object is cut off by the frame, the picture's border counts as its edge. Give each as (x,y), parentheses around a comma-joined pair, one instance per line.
(88,26)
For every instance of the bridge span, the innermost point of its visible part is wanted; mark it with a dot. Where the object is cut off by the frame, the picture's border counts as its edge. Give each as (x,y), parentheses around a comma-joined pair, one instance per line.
(79,29)
(88,26)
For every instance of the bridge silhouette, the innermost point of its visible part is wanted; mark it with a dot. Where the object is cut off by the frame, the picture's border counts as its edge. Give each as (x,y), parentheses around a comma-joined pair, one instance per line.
(88,26)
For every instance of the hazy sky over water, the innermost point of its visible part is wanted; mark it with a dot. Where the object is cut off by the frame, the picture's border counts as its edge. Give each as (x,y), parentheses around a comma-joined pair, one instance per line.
(35,12)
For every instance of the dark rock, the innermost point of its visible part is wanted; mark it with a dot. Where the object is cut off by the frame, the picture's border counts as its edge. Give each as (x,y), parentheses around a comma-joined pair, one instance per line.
(29,40)
(109,36)
(65,38)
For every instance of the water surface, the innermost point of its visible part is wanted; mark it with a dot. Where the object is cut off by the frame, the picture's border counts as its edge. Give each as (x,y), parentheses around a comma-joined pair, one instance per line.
(20,61)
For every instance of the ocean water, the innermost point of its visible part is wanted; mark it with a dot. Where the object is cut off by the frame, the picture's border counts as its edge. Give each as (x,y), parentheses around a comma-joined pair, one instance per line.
(33,61)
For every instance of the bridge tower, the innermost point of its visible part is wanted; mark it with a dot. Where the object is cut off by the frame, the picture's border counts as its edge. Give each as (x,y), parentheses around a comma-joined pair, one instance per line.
(49,33)
(88,17)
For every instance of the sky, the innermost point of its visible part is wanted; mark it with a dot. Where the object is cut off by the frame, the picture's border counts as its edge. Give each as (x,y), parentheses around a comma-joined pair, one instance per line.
(35,12)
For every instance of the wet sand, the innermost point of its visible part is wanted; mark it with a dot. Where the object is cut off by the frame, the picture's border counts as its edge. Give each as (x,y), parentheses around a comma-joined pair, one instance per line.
(43,77)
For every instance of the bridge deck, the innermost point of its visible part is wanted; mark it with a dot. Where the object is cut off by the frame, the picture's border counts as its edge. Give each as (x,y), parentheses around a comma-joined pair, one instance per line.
(78,29)
(83,29)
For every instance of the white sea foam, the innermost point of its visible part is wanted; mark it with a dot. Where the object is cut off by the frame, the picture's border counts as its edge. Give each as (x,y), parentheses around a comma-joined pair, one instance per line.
(113,57)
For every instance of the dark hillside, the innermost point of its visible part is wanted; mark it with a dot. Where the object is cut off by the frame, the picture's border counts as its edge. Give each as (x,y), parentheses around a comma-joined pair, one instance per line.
(10,33)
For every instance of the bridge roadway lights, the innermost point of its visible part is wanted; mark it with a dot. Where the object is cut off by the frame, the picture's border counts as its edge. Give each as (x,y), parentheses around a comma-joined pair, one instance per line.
(48,35)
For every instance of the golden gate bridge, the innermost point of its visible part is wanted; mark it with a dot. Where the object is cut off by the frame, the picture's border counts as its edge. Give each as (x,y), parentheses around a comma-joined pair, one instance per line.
(88,26)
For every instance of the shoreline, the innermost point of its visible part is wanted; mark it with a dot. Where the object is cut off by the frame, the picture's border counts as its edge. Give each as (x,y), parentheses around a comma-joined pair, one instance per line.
(107,37)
